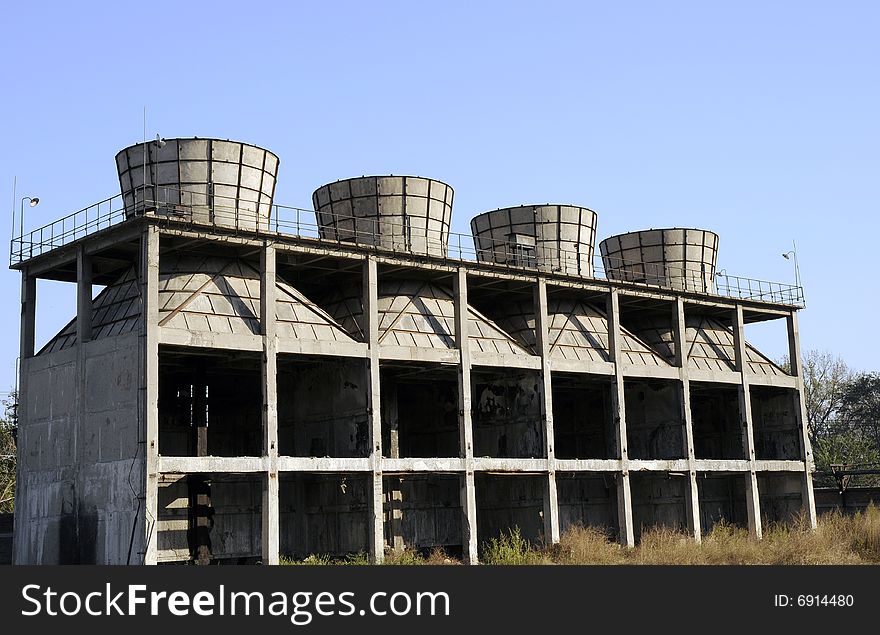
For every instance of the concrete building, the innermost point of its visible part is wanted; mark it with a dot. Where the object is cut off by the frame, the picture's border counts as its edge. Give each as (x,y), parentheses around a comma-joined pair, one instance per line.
(253,381)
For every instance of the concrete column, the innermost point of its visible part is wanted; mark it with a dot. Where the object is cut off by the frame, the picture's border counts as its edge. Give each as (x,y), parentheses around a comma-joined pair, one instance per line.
(83,296)
(83,335)
(692,495)
(542,339)
(26,350)
(797,370)
(753,503)
(150,385)
(374,406)
(618,405)
(465,420)
(28,316)
(270,504)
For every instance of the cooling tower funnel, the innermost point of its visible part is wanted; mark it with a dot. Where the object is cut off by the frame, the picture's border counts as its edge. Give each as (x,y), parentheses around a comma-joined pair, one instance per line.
(676,258)
(549,238)
(213,181)
(402,213)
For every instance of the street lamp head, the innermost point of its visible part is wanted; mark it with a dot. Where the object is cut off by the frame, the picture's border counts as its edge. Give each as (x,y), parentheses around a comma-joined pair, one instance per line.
(34,201)
(788,254)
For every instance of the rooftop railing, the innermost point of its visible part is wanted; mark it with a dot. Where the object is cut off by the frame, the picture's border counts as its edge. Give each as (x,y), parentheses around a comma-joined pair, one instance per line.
(416,236)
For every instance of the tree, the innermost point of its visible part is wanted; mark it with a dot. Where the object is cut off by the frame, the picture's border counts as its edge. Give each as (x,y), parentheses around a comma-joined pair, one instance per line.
(7,454)
(861,400)
(826,378)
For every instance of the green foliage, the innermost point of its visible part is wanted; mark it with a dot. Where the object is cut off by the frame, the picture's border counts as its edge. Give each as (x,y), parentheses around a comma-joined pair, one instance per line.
(510,548)
(7,455)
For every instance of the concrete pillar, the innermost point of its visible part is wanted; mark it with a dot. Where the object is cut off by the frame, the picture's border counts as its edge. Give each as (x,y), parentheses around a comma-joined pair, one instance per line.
(465,420)
(797,370)
(542,339)
(753,503)
(150,385)
(374,406)
(26,348)
(618,406)
(692,495)
(28,316)
(270,504)
(80,424)
(83,296)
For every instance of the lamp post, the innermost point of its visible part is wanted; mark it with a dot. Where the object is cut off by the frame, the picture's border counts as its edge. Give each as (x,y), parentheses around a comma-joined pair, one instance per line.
(32,202)
(792,255)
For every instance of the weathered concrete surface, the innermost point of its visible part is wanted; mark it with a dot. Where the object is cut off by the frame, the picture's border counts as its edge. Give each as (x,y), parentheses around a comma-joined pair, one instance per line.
(403,213)
(658,500)
(588,500)
(81,479)
(550,238)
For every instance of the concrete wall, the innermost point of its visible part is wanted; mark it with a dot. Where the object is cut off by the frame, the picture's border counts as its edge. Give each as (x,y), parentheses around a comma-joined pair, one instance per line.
(653,420)
(722,499)
(775,420)
(781,497)
(588,500)
(322,409)
(232,521)
(230,405)
(717,423)
(658,500)
(80,469)
(419,417)
(323,514)
(423,511)
(505,502)
(582,421)
(507,415)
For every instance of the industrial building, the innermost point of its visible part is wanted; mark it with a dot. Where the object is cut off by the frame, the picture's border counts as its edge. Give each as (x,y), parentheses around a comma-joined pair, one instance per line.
(243,381)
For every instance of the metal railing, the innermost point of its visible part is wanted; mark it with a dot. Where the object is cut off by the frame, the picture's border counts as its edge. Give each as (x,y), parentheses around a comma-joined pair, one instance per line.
(202,207)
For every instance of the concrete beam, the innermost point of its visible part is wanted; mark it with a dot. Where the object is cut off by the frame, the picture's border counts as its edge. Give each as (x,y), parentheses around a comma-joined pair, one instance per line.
(269,375)
(496,360)
(465,419)
(415,354)
(221,341)
(649,372)
(323,464)
(618,407)
(753,502)
(531,466)
(542,340)
(797,371)
(374,405)
(212,464)
(291,346)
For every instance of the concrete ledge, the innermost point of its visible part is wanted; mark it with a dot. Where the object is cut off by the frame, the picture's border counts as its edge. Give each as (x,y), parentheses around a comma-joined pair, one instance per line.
(201,339)
(531,362)
(323,464)
(415,354)
(486,464)
(291,346)
(423,465)
(590,368)
(211,464)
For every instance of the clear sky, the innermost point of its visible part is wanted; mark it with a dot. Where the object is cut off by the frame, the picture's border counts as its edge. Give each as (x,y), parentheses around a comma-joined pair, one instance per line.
(758,120)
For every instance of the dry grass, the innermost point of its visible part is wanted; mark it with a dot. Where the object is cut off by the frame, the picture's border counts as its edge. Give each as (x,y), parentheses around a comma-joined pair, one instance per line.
(837,540)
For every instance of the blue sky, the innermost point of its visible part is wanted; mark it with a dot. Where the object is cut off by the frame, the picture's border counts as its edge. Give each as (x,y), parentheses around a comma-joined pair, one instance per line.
(756,120)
